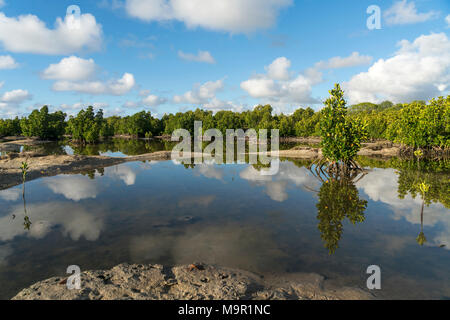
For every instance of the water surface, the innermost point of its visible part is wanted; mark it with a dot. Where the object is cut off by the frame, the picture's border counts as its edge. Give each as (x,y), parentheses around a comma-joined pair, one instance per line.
(231,215)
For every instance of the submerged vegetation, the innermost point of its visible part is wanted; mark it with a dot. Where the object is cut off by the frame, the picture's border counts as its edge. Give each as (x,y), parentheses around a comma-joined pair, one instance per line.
(417,124)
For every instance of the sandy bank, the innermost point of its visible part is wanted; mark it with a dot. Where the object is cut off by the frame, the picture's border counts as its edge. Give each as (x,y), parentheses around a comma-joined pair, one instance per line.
(47,166)
(193,282)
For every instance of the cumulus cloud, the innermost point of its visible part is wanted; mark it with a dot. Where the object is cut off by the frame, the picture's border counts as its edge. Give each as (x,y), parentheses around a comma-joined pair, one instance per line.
(71,69)
(200,93)
(279,69)
(355,59)
(15,96)
(209,171)
(7,62)
(279,86)
(78,224)
(276,186)
(205,95)
(79,75)
(420,70)
(153,100)
(74,188)
(28,34)
(381,185)
(123,172)
(216,104)
(10,101)
(233,16)
(447,19)
(201,56)
(116,87)
(10,194)
(148,100)
(404,12)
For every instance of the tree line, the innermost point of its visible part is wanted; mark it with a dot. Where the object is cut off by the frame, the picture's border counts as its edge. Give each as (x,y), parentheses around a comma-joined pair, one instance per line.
(417,124)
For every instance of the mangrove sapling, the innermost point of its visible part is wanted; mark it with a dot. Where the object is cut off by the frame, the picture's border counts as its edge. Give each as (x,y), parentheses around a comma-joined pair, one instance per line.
(424,188)
(341,140)
(24,168)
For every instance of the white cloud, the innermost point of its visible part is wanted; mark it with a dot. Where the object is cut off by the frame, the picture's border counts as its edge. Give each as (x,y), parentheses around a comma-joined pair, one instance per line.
(125,173)
(15,96)
(355,59)
(418,71)
(8,62)
(115,87)
(10,194)
(276,186)
(2,3)
(70,69)
(278,87)
(201,56)
(403,12)
(279,69)
(200,94)
(28,34)
(216,105)
(261,87)
(74,188)
(79,223)
(205,95)
(209,171)
(447,19)
(381,185)
(153,100)
(234,16)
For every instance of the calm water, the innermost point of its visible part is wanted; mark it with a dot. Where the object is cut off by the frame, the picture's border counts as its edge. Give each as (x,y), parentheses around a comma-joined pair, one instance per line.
(231,215)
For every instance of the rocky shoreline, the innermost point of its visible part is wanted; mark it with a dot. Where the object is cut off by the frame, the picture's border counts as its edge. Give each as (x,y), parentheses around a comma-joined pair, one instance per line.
(189,282)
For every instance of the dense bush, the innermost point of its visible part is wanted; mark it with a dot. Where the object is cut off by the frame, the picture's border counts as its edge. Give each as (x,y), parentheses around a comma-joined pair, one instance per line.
(10,127)
(45,125)
(341,136)
(88,127)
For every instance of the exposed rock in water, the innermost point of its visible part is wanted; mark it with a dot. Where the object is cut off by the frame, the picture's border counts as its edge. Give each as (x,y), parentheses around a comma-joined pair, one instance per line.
(193,282)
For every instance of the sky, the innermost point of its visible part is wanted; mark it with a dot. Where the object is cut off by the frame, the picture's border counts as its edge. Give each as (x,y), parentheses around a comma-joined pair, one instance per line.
(166,56)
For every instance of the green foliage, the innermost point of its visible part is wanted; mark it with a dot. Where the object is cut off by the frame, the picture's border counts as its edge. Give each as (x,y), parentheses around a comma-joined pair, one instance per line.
(417,124)
(338,199)
(45,125)
(88,127)
(420,125)
(10,127)
(341,136)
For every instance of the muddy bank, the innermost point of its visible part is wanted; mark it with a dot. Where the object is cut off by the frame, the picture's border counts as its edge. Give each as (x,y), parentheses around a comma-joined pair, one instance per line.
(47,166)
(376,149)
(13,144)
(190,282)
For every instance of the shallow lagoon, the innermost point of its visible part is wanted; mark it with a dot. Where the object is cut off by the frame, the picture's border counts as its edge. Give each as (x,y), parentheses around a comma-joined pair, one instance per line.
(233,216)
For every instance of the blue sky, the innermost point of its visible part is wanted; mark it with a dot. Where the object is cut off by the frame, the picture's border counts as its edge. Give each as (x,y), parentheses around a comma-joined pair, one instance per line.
(172,55)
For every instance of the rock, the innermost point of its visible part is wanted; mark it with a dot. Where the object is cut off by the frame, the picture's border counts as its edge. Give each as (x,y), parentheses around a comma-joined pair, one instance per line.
(156,282)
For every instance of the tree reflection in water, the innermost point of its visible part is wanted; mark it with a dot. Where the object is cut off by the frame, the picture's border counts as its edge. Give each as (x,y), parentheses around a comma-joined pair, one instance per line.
(338,199)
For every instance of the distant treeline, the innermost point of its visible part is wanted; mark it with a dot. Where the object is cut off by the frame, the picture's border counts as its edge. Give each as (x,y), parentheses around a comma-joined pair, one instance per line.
(417,124)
